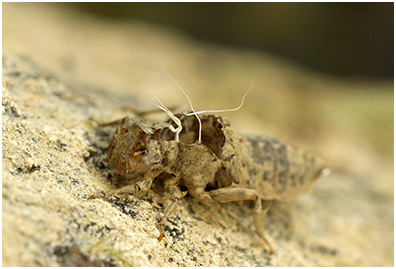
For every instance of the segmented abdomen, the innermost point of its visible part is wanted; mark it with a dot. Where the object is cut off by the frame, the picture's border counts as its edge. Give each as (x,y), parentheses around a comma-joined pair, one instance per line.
(280,171)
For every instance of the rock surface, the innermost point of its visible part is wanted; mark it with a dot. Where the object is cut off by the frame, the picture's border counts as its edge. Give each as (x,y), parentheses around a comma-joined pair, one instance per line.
(61,68)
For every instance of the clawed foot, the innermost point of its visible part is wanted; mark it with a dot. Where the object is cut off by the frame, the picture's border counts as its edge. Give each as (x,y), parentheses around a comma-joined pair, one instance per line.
(270,253)
(162,237)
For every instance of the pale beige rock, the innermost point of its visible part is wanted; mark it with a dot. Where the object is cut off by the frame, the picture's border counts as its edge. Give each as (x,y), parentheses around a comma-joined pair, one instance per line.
(54,157)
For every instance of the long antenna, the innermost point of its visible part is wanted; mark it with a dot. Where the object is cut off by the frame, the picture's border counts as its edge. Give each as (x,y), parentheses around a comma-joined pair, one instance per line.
(171,115)
(188,98)
(224,110)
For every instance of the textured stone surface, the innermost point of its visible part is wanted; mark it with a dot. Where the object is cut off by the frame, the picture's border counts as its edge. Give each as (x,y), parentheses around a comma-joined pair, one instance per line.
(61,68)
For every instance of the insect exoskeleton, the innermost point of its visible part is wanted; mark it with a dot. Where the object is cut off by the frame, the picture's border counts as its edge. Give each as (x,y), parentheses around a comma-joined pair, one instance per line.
(131,149)
(279,170)
(222,168)
(276,170)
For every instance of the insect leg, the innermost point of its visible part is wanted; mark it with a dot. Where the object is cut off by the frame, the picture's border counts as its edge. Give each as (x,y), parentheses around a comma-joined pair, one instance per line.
(167,213)
(198,190)
(171,188)
(225,195)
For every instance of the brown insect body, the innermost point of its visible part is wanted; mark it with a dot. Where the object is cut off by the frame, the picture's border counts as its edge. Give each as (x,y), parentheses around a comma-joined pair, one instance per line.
(222,168)
(277,171)
(281,171)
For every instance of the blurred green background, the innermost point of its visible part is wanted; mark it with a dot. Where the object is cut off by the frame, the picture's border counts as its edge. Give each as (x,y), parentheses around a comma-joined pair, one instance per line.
(343,39)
